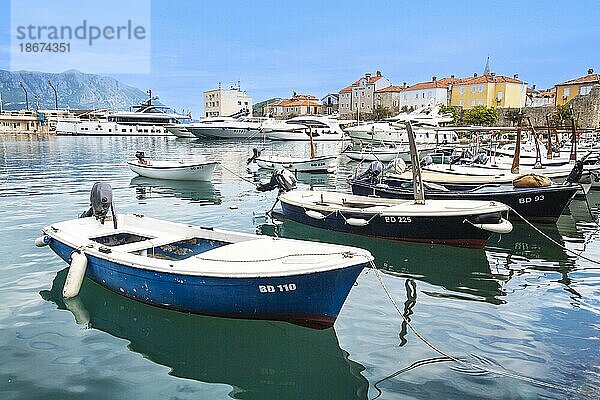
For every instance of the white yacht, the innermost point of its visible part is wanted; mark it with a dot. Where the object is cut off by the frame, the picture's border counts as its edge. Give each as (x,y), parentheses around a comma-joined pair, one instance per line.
(302,127)
(145,119)
(230,127)
(425,122)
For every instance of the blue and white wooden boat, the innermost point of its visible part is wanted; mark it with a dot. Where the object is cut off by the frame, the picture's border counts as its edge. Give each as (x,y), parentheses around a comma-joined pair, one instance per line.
(205,270)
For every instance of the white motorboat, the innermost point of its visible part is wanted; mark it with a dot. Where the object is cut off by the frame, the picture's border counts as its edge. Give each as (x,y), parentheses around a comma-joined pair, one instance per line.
(386,153)
(144,119)
(174,170)
(425,122)
(300,128)
(230,128)
(179,130)
(298,164)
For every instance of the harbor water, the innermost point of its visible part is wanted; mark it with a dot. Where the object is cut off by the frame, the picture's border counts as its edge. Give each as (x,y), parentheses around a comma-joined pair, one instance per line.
(522,315)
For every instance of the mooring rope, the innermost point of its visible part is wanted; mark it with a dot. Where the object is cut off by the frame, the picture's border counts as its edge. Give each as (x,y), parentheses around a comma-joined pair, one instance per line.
(508,374)
(237,175)
(579,255)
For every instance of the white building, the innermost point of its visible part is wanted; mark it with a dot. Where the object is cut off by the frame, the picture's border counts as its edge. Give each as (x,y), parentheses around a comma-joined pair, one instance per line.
(427,93)
(360,96)
(225,102)
(330,104)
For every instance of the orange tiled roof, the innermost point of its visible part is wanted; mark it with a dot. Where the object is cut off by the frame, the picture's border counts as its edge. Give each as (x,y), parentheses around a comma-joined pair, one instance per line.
(428,85)
(392,88)
(487,79)
(590,78)
(293,103)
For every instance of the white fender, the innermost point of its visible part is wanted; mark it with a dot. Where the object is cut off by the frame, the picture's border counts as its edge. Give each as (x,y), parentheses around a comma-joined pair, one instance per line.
(314,214)
(42,241)
(357,222)
(503,227)
(75,275)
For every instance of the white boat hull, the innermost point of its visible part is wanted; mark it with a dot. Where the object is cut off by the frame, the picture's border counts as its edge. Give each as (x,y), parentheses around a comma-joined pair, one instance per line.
(386,155)
(226,133)
(103,128)
(317,164)
(179,131)
(175,171)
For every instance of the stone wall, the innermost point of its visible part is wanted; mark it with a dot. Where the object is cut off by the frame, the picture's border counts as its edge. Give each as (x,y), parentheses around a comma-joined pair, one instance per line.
(585,107)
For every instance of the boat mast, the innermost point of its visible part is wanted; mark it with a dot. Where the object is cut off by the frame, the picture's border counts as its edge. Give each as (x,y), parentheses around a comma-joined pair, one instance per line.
(416,166)
(549,153)
(516,158)
(573,156)
(538,156)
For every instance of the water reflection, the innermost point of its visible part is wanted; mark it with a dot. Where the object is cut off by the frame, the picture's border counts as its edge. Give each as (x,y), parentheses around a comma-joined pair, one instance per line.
(195,191)
(259,359)
(464,273)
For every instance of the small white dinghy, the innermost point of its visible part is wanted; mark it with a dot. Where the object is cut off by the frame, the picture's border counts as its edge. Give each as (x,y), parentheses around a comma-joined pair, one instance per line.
(300,164)
(173,170)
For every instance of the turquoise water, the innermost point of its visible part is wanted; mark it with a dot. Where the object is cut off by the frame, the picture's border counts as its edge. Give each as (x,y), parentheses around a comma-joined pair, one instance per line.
(521,306)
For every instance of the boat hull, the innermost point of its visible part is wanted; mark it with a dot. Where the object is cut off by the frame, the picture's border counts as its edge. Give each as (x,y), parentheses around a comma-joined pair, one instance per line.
(226,133)
(542,204)
(189,172)
(451,230)
(317,164)
(315,300)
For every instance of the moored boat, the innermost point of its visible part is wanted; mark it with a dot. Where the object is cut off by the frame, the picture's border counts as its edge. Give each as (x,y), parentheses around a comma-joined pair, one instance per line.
(206,270)
(464,223)
(172,170)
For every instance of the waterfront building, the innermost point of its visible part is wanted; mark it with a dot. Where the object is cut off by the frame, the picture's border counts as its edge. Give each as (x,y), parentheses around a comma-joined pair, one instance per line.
(298,104)
(390,97)
(330,103)
(433,92)
(540,98)
(22,121)
(566,91)
(359,97)
(490,90)
(225,102)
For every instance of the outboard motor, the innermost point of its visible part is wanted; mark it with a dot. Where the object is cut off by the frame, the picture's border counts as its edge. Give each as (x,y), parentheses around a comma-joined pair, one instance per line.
(281,179)
(397,166)
(427,160)
(480,158)
(141,156)
(100,202)
(373,173)
(576,172)
(255,155)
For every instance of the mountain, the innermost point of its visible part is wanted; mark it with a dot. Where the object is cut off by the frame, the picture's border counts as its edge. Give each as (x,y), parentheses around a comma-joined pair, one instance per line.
(75,90)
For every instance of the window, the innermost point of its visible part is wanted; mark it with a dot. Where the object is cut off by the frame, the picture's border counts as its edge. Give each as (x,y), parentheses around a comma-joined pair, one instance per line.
(567,92)
(460,103)
(473,88)
(585,89)
(416,95)
(461,90)
(429,94)
(472,103)
(480,102)
(239,103)
(522,88)
(500,96)
(423,94)
(480,88)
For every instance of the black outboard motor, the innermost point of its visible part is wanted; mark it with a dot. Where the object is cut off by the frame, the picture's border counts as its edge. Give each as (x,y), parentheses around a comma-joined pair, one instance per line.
(576,172)
(255,155)
(141,156)
(373,173)
(100,202)
(281,179)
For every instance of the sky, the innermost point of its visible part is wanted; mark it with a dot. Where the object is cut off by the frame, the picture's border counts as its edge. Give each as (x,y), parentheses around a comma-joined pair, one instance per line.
(276,47)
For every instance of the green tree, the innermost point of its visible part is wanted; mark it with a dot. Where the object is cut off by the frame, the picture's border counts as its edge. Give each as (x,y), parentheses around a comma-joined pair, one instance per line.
(379,113)
(480,115)
(562,116)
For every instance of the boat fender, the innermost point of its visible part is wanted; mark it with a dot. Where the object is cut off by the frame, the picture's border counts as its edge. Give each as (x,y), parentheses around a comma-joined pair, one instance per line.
(357,222)
(531,180)
(42,241)
(504,226)
(314,214)
(75,275)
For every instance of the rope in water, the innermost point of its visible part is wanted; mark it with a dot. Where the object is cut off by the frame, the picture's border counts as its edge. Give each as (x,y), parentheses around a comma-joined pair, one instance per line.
(579,255)
(237,175)
(457,360)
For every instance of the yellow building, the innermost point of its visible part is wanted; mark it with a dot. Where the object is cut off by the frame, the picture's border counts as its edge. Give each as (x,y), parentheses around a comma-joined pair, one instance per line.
(566,91)
(489,90)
